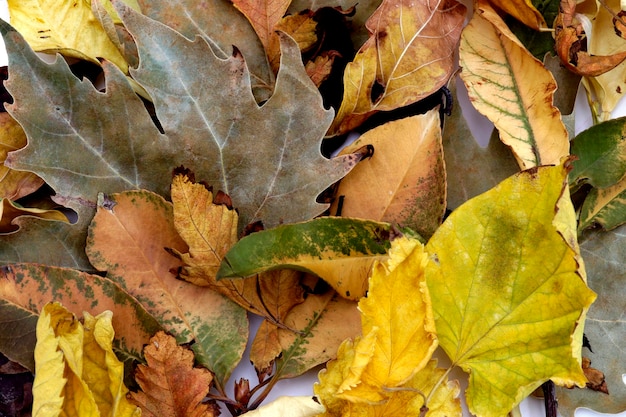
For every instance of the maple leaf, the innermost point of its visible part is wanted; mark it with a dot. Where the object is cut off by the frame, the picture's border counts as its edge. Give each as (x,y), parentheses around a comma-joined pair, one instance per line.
(496,71)
(77,371)
(409,55)
(171,386)
(493,248)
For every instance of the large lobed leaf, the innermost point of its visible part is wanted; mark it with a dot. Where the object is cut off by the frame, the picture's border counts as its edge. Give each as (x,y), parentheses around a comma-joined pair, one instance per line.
(505,312)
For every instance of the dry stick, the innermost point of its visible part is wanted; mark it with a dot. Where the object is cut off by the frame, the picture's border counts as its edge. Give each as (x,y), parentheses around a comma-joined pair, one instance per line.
(549,398)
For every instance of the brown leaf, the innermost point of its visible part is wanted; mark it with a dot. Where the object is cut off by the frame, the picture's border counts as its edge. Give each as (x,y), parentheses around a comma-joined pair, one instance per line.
(171,386)
(301,27)
(595,377)
(319,69)
(409,55)
(570,47)
(265,349)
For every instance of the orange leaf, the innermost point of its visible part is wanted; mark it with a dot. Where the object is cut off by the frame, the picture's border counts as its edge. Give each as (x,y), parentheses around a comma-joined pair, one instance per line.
(170,385)
(319,69)
(409,55)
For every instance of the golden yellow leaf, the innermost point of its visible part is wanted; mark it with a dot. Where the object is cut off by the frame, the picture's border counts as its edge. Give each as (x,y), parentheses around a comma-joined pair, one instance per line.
(288,406)
(409,55)
(514,90)
(171,386)
(522,10)
(77,372)
(413,193)
(14,184)
(505,312)
(67,27)
(301,27)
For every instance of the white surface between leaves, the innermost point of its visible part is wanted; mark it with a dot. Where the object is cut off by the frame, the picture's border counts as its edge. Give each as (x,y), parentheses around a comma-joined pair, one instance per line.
(303,385)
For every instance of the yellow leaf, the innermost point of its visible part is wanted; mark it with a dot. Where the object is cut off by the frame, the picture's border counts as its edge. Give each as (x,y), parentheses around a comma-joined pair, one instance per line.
(67,27)
(508,296)
(288,406)
(409,55)
(413,194)
(171,386)
(524,11)
(77,373)
(514,90)
(14,184)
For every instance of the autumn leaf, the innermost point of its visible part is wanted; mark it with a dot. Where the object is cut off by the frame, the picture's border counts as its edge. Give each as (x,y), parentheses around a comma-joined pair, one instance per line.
(413,194)
(493,248)
(170,385)
(524,11)
(77,371)
(605,207)
(409,55)
(291,406)
(14,184)
(497,71)
(127,240)
(603,253)
(339,250)
(26,288)
(9,211)
(52,26)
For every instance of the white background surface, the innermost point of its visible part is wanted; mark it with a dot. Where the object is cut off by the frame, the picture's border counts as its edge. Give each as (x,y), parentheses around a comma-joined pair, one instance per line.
(481,128)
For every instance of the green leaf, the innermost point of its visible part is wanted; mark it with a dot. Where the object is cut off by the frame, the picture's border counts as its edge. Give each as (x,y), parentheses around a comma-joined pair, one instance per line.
(604,206)
(601,152)
(505,312)
(26,288)
(128,238)
(339,250)
(605,328)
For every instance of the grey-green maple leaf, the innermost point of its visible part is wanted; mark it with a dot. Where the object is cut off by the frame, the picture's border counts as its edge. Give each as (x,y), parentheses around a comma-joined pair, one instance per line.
(82,141)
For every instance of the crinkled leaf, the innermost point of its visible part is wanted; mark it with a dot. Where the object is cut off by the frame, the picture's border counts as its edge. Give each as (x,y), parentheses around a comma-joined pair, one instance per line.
(55,25)
(128,238)
(26,288)
(291,406)
(77,371)
(247,151)
(509,86)
(397,290)
(413,193)
(494,248)
(9,212)
(210,229)
(223,26)
(339,250)
(170,385)
(14,184)
(601,153)
(409,55)
(470,168)
(604,255)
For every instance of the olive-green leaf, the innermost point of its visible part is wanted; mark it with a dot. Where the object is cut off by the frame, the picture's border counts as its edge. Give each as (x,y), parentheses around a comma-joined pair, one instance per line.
(339,250)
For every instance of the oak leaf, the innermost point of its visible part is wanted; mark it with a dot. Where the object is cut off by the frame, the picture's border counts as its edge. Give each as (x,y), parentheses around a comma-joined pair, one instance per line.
(9,211)
(413,194)
(509,86)
(77,372)
(170,385)
(127,240)
(493,248)
(409,55)
(52,26)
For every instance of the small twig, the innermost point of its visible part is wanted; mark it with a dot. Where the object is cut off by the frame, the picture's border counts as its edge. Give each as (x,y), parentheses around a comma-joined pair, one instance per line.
(549,398)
